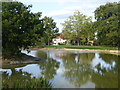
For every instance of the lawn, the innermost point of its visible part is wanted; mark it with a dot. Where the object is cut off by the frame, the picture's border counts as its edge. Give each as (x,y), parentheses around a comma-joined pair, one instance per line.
(83,47)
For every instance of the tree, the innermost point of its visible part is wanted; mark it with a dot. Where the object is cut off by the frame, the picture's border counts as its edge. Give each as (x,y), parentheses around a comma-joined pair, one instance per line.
(77,24)
(88,32)
(107,24)
(21,28)
(50,29)
(70,36)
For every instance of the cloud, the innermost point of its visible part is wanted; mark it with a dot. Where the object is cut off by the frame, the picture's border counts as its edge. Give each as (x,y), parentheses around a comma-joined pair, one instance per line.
(67,11)
(69,1)
(59,14)
(65,8)
(81,8)
(37,0)
(59,1)
(85,1)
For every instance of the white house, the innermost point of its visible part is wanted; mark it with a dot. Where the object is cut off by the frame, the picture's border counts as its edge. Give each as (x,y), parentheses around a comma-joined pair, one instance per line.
(58,40)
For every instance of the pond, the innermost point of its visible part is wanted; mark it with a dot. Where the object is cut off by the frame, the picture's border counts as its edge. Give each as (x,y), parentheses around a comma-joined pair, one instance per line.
(69,69)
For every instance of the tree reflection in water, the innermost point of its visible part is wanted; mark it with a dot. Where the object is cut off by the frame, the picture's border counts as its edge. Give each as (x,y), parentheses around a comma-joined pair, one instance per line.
(49,67)
(41,54)
(107,72)
(20,79)
(81,72)
(77,70)
(111,60)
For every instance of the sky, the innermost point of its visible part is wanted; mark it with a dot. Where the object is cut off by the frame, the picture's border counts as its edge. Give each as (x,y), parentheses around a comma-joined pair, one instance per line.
(59,10)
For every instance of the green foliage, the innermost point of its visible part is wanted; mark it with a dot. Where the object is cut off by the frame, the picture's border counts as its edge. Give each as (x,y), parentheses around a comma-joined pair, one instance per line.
(22,28)
(77,27)
(88,32)
(107,24)
(20,79)
(50,29)
(19,27)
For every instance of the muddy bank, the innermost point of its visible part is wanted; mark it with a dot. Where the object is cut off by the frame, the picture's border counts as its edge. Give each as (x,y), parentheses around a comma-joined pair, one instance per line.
(115,52)
(25,59)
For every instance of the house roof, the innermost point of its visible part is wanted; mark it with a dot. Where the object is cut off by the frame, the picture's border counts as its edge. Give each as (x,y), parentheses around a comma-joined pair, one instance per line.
(61,34)
(58,37)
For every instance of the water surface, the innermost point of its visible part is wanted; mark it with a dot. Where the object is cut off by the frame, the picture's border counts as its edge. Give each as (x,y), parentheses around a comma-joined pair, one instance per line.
(69,69)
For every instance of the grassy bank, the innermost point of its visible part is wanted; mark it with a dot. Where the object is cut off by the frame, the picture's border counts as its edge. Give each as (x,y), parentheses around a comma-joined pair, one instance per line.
(25,81)
(79,47)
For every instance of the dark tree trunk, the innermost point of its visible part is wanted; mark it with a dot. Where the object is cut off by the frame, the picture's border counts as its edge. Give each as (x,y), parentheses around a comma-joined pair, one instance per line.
(48,42)
(86,41)
(78,42)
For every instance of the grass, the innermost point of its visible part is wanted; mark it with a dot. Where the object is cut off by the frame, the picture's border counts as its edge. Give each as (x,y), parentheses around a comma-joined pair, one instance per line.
(83,47)
(25,83)
(41,46)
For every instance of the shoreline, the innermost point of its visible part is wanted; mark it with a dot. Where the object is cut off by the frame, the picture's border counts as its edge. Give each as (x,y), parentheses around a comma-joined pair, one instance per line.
(115,52)
(27,59)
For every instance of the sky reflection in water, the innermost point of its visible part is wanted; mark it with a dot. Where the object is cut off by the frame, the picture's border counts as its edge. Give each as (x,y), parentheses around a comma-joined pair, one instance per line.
(74,69)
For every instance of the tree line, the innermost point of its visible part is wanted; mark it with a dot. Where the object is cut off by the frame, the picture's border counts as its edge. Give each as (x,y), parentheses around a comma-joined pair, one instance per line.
(21,28)
(78,29)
